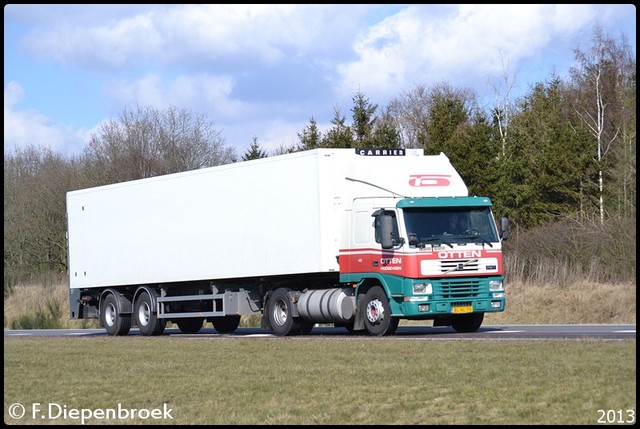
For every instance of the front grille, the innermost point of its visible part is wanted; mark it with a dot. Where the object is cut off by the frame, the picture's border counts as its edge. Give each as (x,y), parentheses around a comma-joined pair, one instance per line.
(460,289)
(460,265)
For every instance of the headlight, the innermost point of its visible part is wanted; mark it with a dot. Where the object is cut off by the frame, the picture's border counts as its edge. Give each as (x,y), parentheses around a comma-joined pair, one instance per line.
(422,288)
(495,285)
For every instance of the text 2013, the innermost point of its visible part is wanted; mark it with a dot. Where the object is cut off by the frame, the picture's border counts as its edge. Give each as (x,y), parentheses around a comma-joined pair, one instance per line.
(616,416)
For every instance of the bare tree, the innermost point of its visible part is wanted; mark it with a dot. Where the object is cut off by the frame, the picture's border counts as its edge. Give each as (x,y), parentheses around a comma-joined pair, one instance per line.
(503,110)
(147,142)
(596,78)
(35,183)
(410,111)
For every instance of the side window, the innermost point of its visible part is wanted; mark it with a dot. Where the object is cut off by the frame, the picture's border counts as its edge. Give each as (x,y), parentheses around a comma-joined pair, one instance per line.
(377,226)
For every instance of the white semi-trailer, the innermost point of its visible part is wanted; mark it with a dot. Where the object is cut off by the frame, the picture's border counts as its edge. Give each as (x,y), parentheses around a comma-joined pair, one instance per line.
(357,238)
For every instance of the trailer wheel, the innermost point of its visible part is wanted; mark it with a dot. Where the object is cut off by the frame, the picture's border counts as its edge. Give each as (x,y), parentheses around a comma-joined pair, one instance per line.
(225,324)
(377,316)
(114,322)
(190,325)
(147,320)
(279,311)
(467,322)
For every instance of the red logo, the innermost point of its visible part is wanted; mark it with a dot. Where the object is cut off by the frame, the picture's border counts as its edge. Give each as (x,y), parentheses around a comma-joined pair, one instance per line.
(418,180)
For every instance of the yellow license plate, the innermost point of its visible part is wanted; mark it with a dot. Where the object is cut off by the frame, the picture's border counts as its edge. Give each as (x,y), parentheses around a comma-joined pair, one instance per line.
(458,310)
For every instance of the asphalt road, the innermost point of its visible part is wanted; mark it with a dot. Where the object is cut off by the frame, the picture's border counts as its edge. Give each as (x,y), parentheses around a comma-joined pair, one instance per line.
(529,332)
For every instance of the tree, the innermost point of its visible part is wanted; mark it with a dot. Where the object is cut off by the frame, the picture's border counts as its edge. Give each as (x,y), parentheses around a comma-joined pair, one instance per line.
(340,135)
(546,162)
(410,111)
(254,151)
(469,149)
(503,110)
(363,120)
(310,137)
(35,184)
(604,83)
(449,108)
(147,142)
(386,133)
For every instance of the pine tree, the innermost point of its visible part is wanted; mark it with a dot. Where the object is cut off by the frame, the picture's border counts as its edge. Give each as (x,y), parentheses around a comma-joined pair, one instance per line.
(254,151)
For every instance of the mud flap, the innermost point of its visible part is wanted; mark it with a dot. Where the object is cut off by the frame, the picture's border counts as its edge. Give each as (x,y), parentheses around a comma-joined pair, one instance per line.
(358,323)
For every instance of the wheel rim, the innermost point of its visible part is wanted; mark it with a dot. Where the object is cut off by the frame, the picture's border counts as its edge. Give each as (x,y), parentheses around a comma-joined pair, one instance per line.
(144,314)
(110,315)
(280,312)
(375,311)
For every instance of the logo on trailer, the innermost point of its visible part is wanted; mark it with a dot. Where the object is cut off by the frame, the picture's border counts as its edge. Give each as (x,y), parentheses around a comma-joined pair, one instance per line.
(380,152)
(419,180)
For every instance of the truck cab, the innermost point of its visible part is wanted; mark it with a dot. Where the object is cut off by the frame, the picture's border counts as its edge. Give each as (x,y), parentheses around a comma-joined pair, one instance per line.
(431,258)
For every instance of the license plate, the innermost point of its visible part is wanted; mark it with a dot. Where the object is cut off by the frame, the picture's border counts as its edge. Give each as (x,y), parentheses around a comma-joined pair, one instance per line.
(465,309)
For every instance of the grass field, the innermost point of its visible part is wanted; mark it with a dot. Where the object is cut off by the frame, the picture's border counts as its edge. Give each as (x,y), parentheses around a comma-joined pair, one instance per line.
(318,381)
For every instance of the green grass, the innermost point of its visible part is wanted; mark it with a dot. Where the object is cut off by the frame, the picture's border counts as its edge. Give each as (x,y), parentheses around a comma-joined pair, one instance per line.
(306,380)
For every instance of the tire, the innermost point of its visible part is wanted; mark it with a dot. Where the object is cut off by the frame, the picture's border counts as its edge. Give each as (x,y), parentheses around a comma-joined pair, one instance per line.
(279,312)
(348,326)
(147,321)
(467,322)
(377,313)
(226,324)
(306,327)
(190,325)
(114,322)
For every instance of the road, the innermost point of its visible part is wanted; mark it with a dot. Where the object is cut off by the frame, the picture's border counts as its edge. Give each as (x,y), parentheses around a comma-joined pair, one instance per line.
(529,332)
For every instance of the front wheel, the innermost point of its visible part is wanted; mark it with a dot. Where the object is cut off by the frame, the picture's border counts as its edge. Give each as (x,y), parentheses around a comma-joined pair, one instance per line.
(377,313)
(280,314)
(467,322)
(113,321)
(146,319)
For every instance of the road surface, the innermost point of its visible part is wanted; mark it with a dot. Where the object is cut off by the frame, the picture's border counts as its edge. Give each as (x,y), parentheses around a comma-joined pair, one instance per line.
(576,332)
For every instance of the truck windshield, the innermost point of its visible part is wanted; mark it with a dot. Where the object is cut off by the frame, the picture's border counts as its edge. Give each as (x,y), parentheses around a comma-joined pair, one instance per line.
(450,225)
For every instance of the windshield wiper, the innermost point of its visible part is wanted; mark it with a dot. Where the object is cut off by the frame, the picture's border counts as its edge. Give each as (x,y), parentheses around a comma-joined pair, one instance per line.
(423,241)
(475,238)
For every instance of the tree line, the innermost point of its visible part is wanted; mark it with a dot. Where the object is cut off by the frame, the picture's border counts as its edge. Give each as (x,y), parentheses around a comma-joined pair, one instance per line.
(565,151)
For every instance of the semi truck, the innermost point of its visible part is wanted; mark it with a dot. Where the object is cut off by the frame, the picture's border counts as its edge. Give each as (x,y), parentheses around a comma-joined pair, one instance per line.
(353,238)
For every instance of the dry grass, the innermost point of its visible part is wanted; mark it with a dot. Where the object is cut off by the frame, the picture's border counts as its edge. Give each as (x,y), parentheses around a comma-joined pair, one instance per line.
(580,303)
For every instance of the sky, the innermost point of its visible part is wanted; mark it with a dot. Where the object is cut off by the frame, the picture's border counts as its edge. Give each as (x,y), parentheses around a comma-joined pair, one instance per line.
(263,71)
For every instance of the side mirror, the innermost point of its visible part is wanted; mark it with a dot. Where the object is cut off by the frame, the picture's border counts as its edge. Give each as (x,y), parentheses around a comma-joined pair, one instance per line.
(386,230)
(504,228)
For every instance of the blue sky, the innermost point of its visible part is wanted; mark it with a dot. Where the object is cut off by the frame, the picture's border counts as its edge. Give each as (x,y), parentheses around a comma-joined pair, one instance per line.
(265,70)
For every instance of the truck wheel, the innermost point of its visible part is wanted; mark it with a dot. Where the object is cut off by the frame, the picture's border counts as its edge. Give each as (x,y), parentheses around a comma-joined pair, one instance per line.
(467,322)
(114,322)
(190,325)
(377,313)
(225,324)
(279,311)
(147,321)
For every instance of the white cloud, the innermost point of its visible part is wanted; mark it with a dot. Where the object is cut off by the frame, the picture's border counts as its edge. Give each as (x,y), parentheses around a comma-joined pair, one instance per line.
(24,128)
(258,69)
(416,46)
(197,92)
(194,34)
